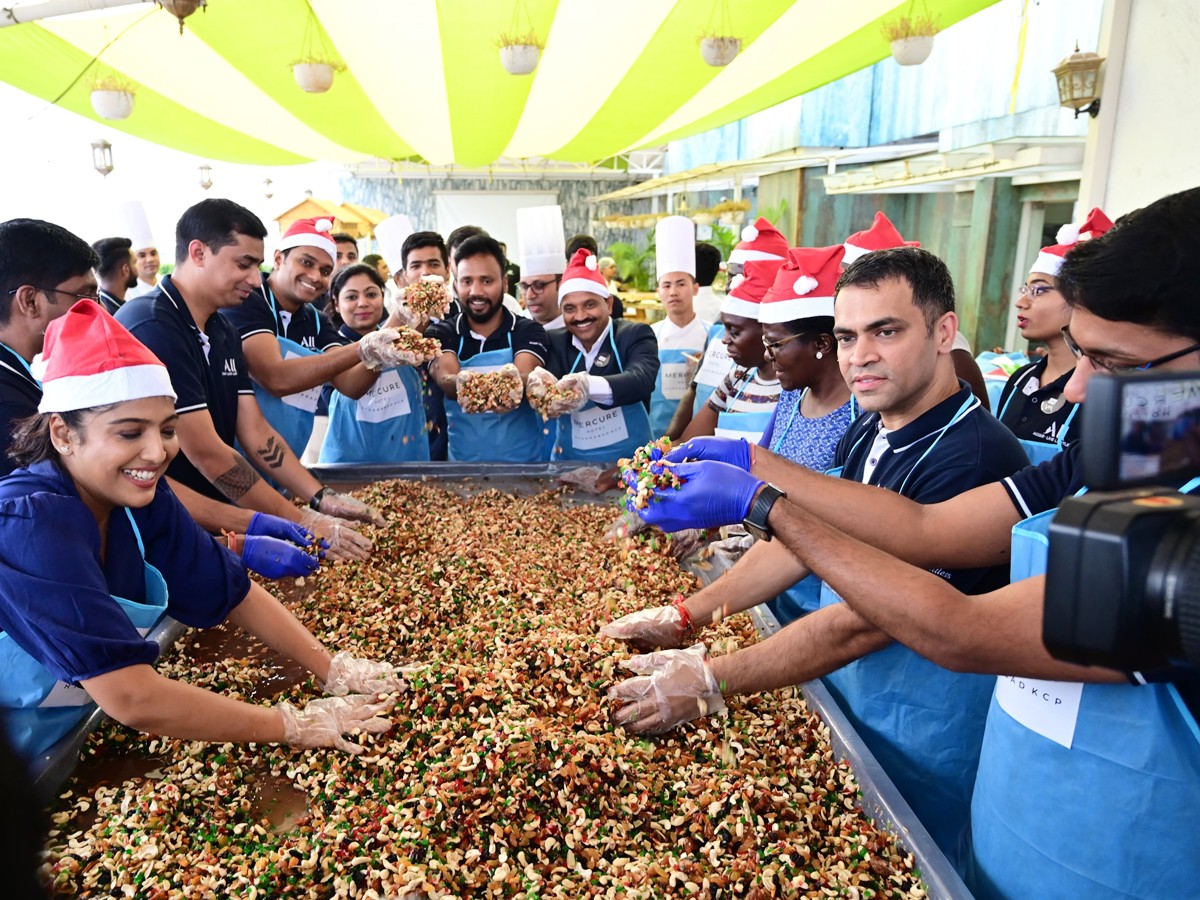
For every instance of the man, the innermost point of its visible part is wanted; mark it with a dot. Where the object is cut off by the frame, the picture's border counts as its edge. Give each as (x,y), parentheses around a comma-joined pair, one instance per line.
(1107,806)
(612,362)
(290,348)
(379,264)
(457,238)
(540,230)
(587,242)
(44,269)
(682,333)
(708,265)
(347,250)
(485,336)
(116,271)
(219,247)
(512,272)
(136,226)
(925,437)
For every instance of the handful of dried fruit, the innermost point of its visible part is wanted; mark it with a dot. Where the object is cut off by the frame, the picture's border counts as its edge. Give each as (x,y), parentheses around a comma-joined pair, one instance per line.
(416,346)
(551,397)
(499,391)
(647,471)
(428,298)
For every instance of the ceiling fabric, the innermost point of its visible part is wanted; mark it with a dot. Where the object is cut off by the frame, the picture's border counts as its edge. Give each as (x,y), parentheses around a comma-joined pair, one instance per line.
(423,79)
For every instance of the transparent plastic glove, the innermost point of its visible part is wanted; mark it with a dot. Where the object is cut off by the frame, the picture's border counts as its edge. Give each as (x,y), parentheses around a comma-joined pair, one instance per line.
(343,506)
(266,525)
(273,558)
(712,494)
(352,675)
(586,477)
(573,395)
(685,543)
(693,365)
(626,525)
(732,451)
(378,350)
(323,722)
(648,629)
(671,687)
(344,542)
(499,391)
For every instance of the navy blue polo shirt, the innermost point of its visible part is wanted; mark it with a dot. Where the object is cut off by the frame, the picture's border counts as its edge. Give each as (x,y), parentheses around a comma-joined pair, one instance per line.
(1036,489)
(973,451)
(454,334)
(208,371)
(20,395)
(307,327)
(109,302)
(1024,401)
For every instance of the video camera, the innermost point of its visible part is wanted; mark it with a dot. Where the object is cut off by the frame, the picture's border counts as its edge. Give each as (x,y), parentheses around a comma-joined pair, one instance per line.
(1123,577)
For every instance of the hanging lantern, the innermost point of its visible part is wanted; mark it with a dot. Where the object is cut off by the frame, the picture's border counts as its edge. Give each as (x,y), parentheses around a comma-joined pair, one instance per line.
(206,176)
(181,9)
(102,160)
(1078,79)
(112,103)
(267,191)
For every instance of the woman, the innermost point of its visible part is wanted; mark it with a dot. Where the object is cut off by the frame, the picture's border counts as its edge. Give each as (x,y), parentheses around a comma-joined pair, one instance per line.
(96,549)
(386,424)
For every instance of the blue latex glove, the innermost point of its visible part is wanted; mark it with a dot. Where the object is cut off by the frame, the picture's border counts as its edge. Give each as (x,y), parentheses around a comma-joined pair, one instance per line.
(732,451)
(713,494)
(274,558)
(264,525)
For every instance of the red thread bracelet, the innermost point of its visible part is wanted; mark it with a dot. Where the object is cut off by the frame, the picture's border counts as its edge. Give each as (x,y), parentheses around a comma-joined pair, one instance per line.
(685,618)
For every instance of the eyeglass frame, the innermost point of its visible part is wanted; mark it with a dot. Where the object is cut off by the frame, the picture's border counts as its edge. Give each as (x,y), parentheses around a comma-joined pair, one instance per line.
(95,298)
(537,287)
(774,346)
(1033,291)
(1078,353)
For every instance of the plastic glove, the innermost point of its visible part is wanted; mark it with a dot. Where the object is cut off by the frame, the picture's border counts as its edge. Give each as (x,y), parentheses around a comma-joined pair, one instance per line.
(627,524)
(672,687)
(648,629)
(712,494)
(343,506)
(732,451)
(693,364)
(273,558)
(502,391)
(377,350)
(575,386)
(586,477)
(351,675)
(266,525)
(344,541)
(323,722)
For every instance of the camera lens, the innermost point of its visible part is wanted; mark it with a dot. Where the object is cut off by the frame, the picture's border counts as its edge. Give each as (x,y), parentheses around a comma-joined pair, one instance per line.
(1174,583)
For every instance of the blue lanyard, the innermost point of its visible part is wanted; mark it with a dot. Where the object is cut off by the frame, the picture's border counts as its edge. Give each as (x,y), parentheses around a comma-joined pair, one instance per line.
(969,405)
(19,358)
(612,341)
(778,436)
(275,312)
(462,340)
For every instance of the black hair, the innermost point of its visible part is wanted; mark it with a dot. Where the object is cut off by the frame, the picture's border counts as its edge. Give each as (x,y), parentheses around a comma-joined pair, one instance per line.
(419,239)
(345,274)
(708,263)
(925,274)
(41,254)
(459,235)
(31,439)
(813,325)
(1145,270)
(340,237)
(480,245)
(112,252)
(215,223)
(372,259)
(585,241)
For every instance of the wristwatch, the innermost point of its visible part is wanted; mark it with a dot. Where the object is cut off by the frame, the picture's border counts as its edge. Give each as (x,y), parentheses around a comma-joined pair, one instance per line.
(315,502)
(756,520)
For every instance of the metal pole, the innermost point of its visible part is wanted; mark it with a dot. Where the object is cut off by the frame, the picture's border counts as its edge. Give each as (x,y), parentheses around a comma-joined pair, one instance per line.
(49,9)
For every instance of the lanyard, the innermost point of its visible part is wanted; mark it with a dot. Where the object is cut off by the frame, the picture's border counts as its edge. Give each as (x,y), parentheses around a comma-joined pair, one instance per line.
(778,436)
(19,358)
(275,312)
(611,341)
(968,406)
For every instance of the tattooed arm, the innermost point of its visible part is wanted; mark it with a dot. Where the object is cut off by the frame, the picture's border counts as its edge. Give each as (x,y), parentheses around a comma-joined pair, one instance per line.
(269,452)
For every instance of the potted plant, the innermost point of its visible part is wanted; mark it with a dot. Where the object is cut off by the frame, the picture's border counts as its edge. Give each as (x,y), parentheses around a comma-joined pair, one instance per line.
(911,38)
(520,53)
(719,49)
(112,98)
(314,74)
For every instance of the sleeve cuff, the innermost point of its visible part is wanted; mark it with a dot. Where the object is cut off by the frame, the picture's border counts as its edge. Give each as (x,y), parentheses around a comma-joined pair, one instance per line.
(599,390)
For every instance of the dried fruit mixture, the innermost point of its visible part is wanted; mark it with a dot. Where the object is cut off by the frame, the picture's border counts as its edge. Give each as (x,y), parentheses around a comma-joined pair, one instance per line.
(420,347)
(647,471)
(498,391)
(428,297)
(503,775)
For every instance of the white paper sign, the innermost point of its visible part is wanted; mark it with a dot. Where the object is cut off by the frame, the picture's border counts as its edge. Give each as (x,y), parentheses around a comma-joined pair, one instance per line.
(305,400)
(596,427)
(715,366)
(63,694)
(674,380)
(1048,707)
(387,399)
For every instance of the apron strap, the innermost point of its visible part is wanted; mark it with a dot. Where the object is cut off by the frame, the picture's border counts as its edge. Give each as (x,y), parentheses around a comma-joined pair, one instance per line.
(136,533)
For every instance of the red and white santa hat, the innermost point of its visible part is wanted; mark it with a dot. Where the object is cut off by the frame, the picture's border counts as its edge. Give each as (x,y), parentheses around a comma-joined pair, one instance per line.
(882,235)
(310,233)
(90,359)
(761,240)
(804,285)
(583,274)
(747,290)
(1050,259)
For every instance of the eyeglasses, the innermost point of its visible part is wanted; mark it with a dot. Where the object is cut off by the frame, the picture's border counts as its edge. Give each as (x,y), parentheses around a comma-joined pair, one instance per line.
(1122,370)
(93,296)
(1035,290)
(773,346)
(536,287)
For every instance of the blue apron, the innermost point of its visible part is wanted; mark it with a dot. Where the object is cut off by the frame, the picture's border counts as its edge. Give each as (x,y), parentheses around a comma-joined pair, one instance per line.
(713,367)
(600,434)
(748,425)
(669,387)
(923,723)
(1038,451)
(37,708)
(291,415)
(1116,813)
(386,424)
(513,436)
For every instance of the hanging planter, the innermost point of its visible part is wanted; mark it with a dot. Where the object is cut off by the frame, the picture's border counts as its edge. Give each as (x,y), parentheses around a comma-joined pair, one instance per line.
(520,54)
(318,62)
(911,39)
(112,98)
(720,50)
(181,9)
(703,218)
(313,75)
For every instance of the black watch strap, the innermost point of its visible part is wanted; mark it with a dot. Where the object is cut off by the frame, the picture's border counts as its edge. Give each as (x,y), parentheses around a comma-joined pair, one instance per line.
(756,520)
(315,502)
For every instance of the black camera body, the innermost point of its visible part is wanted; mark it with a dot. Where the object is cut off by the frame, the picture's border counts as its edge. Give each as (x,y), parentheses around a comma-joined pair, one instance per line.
(1123,575)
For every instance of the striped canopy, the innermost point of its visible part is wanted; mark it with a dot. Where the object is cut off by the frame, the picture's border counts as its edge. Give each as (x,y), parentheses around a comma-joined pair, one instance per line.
(423,78)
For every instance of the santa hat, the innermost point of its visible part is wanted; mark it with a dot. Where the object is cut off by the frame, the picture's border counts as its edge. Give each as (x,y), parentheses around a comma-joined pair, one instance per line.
(804,285)
(90,359)
(747,290)
(583,274)
(1050,259)
(882,235)
(391,234)
(310,233)
(761,240)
